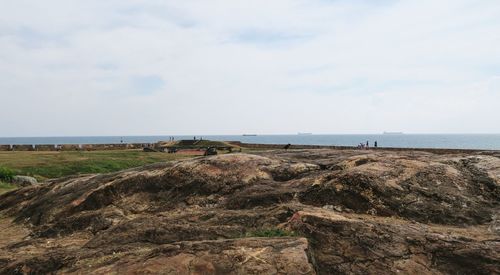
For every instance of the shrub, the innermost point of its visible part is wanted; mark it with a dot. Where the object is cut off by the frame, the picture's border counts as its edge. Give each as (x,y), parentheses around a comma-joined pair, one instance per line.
(6,174)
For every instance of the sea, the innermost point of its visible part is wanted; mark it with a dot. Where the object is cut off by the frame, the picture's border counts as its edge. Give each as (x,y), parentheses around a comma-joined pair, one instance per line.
(452,141)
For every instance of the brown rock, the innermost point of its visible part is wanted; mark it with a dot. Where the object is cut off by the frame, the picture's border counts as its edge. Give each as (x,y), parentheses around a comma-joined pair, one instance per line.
(362,212)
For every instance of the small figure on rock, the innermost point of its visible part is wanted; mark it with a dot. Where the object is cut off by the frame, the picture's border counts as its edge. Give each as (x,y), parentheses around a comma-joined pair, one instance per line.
(287,146)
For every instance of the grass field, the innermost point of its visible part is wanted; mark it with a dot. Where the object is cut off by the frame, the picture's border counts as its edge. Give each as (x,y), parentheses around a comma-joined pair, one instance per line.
(5,187)
(47,165)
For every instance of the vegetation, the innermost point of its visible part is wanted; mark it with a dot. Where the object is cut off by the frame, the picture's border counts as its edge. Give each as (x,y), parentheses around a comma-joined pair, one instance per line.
(198,144)
(46,165)
(271,232)
(6,187)
(207,143)
(6,174)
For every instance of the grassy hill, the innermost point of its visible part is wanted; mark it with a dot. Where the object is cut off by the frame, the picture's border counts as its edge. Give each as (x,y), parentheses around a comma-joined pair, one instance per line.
(195,144)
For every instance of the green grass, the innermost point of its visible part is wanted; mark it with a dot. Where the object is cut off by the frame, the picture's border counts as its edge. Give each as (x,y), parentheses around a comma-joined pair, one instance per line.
(47,165)
(271,232)
(6,187)
(207,143)
(6,174)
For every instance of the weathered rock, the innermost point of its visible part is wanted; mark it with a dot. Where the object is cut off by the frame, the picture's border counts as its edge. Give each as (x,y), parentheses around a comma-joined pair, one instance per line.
(23,181)
(362,212)
(424,189)
(239,256)
(359,244)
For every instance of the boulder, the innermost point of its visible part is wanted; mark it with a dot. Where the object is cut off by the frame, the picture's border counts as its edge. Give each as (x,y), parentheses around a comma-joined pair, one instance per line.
(23,181)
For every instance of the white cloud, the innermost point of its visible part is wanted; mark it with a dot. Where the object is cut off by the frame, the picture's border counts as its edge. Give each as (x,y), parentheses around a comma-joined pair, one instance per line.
(229,67)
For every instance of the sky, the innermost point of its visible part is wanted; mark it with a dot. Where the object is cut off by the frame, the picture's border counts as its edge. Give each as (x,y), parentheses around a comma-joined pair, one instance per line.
(159,67)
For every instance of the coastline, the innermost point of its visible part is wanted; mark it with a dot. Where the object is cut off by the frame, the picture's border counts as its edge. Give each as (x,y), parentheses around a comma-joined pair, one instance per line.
(263,146)
(440,141)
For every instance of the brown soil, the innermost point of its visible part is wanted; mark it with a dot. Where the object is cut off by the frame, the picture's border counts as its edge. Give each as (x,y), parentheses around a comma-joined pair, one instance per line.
(342,212)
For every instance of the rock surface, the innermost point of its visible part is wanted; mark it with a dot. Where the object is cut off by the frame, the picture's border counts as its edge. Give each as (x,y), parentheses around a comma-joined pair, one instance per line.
(23,181)
(275,212)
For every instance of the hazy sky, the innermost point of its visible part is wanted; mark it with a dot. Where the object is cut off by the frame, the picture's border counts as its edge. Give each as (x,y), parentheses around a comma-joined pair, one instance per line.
(124,67)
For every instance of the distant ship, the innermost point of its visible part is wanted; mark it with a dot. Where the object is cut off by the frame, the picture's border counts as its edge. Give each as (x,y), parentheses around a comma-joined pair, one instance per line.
(249,135)
(304,134)
(393,133)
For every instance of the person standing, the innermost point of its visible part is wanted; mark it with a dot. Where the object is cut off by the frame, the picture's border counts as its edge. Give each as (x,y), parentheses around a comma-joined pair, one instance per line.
(375,144)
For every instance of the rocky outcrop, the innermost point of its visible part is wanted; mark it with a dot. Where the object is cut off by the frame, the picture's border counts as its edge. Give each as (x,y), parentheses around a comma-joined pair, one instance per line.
(373,245)
(279,212)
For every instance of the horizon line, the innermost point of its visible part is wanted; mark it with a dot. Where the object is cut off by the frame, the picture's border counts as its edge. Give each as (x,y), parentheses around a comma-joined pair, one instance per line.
(257,134)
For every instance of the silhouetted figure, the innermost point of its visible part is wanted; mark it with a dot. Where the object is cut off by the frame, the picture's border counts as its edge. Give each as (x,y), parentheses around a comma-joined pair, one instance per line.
(287,146)
(375,144)
(367,144)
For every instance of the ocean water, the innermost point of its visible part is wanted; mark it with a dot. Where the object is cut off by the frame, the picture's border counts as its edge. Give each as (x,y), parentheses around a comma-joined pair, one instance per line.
(455,141)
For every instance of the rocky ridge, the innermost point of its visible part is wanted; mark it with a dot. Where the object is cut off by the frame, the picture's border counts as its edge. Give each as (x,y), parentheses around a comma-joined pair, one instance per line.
(274,212)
